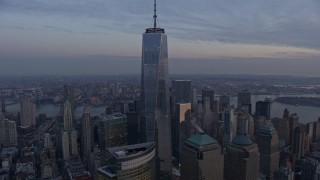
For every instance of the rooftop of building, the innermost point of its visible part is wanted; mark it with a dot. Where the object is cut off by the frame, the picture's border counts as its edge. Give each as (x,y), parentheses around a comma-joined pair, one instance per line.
(242,140)
(109,171)
(110,117)
(131,150)
(266,129)
(201,140)
(25,168)
(75,167)
(9,151)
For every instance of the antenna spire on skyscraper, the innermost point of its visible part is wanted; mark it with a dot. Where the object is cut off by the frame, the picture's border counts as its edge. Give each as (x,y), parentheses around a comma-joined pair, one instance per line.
(155,15)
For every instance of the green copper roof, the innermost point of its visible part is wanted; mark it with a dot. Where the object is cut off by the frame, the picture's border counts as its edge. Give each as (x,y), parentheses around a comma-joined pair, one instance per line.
(201,140)
(242,140)
(266,128)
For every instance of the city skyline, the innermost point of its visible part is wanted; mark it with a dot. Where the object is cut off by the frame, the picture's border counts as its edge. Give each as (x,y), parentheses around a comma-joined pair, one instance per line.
(106,33)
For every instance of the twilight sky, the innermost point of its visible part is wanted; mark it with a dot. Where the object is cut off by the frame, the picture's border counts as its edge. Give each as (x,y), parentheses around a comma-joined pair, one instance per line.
(207,36)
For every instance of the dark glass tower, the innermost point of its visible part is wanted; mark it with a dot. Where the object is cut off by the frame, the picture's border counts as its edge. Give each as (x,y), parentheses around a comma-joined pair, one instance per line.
(155,97)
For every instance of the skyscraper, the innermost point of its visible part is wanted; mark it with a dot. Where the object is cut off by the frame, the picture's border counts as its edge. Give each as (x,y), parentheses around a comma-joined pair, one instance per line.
(155,95)
(180,127)
(244,100)
(2,133)
(86,132)
(208,93)
(263,108)
(69,135)
(27,113)
(181,91)
(67,116)
(242,157)
(112,132)
(201,158)
(268,143)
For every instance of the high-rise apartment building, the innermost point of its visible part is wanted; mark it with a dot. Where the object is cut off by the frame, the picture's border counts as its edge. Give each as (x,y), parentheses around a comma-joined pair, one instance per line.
(155,96)
(201,158)
(27,113)
(268,143)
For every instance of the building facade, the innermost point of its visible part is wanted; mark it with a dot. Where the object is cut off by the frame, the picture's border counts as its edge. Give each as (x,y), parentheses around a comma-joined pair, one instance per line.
(201,159)
(130,162)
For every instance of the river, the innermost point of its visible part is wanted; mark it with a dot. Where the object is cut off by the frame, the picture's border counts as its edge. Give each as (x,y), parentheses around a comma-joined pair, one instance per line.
(306,113)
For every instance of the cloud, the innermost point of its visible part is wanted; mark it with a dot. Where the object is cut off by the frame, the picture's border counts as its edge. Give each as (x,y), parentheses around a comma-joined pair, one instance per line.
(287,22)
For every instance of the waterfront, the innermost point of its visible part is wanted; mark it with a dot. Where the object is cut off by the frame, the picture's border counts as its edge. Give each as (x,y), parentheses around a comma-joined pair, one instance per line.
(306,113)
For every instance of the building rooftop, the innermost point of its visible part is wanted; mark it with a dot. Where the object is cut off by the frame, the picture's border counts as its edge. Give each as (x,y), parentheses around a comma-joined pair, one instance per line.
(111,117)
(75,168)
(266,129)
(242,140)
(130,150)
(201,140)
(109,171)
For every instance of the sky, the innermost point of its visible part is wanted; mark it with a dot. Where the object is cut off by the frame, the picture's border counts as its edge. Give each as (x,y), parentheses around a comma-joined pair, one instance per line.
(207,36)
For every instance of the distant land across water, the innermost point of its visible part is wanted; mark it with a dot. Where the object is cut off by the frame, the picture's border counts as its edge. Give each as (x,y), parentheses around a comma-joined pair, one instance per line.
(306,113)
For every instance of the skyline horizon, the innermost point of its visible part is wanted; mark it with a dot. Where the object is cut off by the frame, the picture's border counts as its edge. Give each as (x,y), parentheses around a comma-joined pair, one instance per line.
(76,36)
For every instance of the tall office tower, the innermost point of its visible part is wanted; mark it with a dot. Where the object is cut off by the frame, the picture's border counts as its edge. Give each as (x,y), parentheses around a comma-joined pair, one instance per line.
(69,135)
(245,124)
(130,162)
(284,173)
(263,108)
(283,128)
(180,93)
(112,132)
(293,124)
(69,93)
(242,156)
(27,113)
(230,126)
(155,96)
(65,145)
(86,133)
(194,99)
(11,135)
(224,102)
(201,158)
(74,143)
(2,133)
(298,144)
(133,127)
(180,127)
(316,132)
(67,116)
(3,103)
(208,92)
(207,117)
(268,143)
(244,100)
